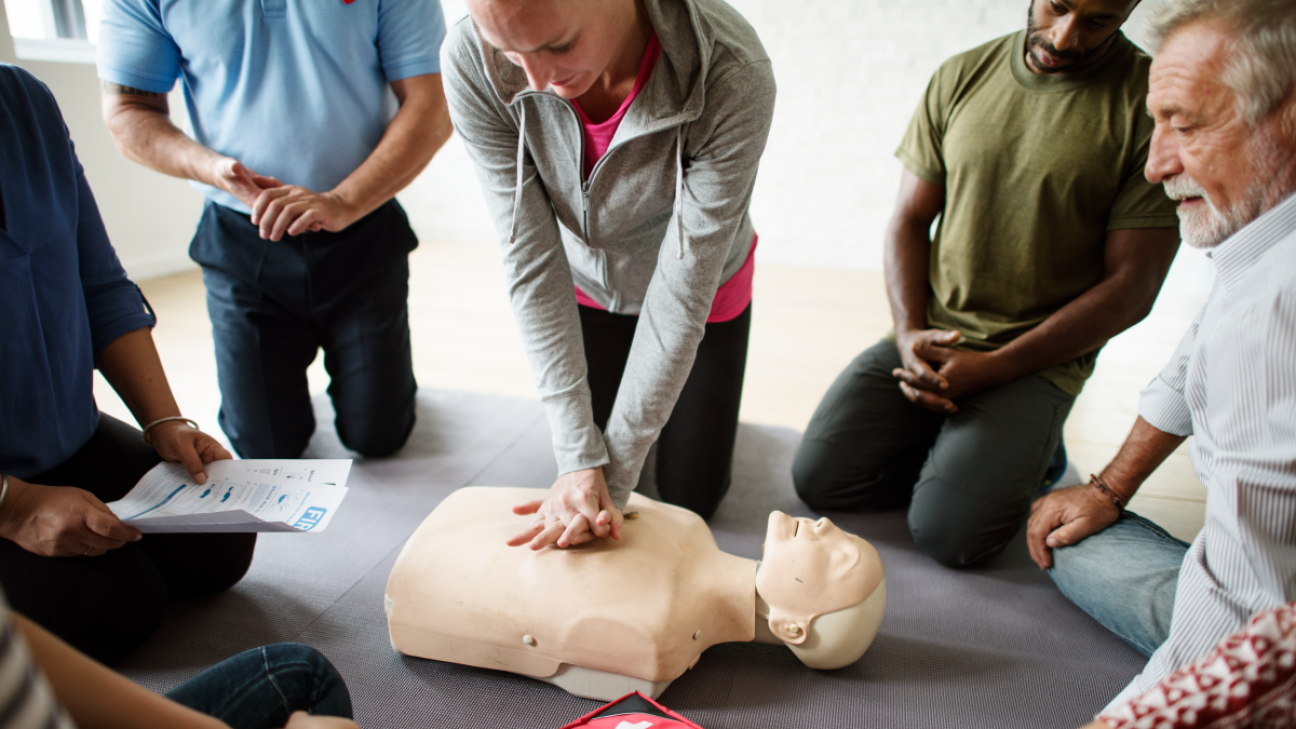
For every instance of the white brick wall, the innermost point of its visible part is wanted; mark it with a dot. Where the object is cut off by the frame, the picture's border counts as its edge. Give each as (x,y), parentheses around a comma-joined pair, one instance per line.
(850,73)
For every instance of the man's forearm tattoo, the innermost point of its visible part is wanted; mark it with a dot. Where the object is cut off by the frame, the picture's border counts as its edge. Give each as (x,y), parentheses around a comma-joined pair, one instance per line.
(112,88)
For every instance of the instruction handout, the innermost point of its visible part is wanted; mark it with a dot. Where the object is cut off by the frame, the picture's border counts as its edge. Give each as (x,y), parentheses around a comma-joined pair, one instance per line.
(254,495)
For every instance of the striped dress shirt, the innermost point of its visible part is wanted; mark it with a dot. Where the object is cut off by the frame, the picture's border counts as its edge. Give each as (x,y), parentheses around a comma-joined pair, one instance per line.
(1231,385)
(26,701)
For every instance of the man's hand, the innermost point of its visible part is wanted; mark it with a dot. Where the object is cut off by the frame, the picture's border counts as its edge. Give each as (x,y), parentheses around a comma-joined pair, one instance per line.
(919,380)
(962,372)
(1064,517)
(302,720)
(935,374)
(917,370)
(293,210)
(176,442)
(61,521)
(231,176)
(578,510)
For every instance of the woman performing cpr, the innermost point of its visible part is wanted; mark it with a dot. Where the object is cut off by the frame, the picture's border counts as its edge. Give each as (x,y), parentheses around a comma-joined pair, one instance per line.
(617,142)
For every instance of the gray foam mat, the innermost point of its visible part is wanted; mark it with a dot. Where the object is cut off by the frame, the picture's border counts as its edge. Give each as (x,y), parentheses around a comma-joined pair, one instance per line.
(996,646)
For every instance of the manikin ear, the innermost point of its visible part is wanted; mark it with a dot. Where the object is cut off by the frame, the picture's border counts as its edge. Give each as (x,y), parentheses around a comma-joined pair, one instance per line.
(842,561)
(789,629)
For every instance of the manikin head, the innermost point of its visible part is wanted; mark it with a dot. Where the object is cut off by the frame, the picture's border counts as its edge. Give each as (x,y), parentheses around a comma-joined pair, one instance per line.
(1067,35)
(825,589)
(563,44)
(1223,94)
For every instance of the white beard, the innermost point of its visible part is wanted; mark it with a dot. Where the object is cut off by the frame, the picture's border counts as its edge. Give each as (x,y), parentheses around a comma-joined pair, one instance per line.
(1208,226)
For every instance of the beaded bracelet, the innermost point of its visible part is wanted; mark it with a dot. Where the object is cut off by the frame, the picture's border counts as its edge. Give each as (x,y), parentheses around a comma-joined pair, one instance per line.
(159,421)
(1098,484)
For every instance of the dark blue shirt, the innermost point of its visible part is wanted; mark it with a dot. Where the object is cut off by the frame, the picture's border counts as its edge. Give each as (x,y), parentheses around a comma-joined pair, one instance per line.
(63,294)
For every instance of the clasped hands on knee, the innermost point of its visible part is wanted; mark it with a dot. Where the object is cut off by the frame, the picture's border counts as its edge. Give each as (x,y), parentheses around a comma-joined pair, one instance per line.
(578,510)
(935,374)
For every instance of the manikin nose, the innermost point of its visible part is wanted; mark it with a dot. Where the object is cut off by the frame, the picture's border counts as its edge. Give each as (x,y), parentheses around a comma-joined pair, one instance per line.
(815,525)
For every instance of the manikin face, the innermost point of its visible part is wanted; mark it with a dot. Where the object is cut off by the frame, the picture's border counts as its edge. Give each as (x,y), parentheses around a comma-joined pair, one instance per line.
(1223,171)
(810,568)
(1066,35)
(560,44)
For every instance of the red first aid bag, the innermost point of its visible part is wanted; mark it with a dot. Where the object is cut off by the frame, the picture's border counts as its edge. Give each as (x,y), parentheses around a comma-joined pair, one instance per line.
(632,711)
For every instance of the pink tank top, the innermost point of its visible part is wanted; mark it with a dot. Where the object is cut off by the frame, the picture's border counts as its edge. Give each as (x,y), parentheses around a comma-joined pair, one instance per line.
(733,296)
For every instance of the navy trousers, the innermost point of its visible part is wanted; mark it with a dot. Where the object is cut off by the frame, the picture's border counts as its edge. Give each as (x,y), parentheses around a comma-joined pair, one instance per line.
(274,305)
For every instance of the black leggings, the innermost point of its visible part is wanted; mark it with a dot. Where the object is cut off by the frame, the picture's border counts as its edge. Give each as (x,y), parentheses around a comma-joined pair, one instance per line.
(107,606)
(695,449)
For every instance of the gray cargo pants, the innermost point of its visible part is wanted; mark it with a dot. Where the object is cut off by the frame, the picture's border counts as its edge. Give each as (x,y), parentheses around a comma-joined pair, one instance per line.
(968,478)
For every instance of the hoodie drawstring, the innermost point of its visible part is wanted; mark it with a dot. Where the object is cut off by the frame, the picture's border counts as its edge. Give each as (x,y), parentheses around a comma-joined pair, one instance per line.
(517,191)
(679,188)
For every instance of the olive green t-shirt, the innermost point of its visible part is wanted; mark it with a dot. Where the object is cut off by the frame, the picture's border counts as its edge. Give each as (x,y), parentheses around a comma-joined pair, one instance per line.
(1036,170)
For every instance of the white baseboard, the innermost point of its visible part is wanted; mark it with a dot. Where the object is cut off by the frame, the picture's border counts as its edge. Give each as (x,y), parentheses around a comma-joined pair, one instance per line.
(157,265)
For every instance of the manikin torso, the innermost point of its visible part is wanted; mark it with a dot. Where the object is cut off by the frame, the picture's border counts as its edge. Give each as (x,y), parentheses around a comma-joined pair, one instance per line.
(601,619)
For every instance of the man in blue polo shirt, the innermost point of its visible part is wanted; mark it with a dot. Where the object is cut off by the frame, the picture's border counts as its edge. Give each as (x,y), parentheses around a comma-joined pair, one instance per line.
(299,147)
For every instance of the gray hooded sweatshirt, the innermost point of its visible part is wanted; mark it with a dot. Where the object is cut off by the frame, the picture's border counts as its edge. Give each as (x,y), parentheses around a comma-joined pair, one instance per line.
(658,226)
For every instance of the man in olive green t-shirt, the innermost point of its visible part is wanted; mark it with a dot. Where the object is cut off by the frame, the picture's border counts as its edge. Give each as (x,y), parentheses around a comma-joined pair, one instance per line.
(1031,150)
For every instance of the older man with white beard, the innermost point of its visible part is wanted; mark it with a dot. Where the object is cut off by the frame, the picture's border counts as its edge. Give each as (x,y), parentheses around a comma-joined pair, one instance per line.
(1223,95)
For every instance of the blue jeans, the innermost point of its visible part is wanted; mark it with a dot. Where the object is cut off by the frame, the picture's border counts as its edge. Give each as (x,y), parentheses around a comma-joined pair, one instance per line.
(1125,578)
(262,687)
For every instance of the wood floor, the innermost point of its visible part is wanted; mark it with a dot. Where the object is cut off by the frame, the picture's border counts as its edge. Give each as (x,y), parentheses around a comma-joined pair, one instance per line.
(807,325)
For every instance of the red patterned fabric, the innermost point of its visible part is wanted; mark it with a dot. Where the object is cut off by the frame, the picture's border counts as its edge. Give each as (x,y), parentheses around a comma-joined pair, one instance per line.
(1248,680)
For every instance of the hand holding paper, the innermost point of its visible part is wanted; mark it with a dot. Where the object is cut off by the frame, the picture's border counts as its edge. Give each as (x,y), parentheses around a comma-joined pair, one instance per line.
(258,495)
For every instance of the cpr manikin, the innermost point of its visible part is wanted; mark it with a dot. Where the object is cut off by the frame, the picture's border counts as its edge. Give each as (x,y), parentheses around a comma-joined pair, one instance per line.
(609,617)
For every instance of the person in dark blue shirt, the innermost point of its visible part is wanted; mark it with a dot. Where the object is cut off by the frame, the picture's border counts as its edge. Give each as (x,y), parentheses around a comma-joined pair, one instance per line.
(66,307)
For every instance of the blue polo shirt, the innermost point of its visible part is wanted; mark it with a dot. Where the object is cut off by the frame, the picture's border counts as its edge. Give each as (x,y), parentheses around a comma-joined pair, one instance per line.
(63,294)
(293,89)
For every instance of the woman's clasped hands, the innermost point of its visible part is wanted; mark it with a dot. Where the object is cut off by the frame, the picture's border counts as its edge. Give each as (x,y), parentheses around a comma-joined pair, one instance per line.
(578,510)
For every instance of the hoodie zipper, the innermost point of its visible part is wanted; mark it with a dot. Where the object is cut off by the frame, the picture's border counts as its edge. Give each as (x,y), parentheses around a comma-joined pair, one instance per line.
(580,161)
(580,164)
(585,205)
(580,167)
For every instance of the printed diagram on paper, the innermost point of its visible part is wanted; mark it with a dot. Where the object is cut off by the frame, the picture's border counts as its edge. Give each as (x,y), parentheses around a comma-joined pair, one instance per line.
(332,472)
(261,495)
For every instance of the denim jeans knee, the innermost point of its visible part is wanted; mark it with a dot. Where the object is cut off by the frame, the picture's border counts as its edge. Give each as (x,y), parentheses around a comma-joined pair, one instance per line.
(262,687)
(1125,578)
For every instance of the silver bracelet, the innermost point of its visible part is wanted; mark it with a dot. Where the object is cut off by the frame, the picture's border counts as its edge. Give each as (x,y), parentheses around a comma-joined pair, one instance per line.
(159,421)
(4,489)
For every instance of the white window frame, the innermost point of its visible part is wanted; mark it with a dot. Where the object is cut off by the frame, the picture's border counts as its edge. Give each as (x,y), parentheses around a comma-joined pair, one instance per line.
(59,50)
(55,46)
